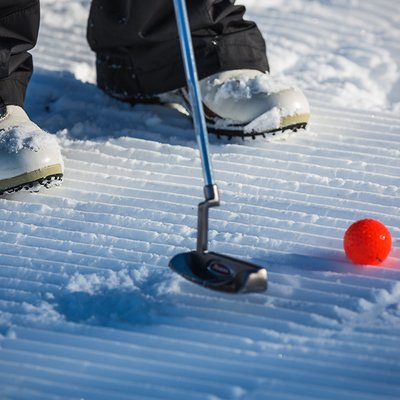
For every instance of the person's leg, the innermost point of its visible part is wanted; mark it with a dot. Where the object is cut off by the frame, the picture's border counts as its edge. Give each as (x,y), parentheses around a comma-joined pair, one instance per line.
(29,157)
(139,60)
(19,25)
(137,45)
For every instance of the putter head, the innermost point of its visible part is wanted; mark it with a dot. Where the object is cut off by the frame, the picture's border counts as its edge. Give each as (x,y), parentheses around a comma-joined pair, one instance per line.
(219,272)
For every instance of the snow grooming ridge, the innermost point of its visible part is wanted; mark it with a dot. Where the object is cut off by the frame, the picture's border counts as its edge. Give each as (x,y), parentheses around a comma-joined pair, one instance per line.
(88,307)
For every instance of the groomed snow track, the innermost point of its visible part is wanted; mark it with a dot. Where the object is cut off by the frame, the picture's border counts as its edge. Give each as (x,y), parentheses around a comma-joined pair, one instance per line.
(88,306)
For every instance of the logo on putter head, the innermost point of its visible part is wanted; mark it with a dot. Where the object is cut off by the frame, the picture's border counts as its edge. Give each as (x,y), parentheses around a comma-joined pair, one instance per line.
(219,268)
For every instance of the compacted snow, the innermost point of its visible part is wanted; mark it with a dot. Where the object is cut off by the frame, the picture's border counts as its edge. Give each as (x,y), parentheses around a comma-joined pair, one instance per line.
(88,306)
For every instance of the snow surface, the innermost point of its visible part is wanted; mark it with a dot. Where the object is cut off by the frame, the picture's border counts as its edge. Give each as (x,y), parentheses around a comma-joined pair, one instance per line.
(88,306)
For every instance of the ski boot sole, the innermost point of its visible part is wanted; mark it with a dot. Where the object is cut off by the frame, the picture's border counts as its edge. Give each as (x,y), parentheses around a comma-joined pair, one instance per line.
(32,181)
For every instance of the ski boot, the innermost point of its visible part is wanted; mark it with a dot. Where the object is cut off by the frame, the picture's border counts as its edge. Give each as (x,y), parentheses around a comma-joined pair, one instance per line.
(29,157)
(247,103)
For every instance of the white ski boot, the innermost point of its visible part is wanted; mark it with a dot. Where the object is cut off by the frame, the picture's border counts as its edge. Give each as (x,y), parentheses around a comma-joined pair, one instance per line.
(250,103)
(246,103)
(29,157)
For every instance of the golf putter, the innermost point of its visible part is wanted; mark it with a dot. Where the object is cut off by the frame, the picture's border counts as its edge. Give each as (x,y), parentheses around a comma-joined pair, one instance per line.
(211,270)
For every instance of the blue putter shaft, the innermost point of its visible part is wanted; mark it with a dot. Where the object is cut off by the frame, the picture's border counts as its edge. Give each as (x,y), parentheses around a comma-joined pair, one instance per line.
(194,89)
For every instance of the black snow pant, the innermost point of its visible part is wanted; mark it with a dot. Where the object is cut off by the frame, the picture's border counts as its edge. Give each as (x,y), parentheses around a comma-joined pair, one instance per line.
(136,44)
(19,26)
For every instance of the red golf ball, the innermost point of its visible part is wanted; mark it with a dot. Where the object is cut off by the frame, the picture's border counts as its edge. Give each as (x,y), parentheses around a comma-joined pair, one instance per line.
(367,242)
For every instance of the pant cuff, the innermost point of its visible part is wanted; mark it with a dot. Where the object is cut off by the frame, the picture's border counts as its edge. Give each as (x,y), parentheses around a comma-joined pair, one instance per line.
(118,75)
